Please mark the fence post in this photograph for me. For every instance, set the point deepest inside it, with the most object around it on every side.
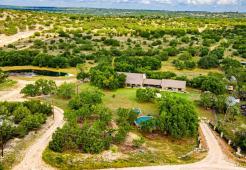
(238, 150)
(200, 146)
(222, 134)
(229, 142)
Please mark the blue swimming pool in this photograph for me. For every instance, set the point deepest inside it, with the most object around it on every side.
(141, 119)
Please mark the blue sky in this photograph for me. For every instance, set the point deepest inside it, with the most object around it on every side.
(184, 5)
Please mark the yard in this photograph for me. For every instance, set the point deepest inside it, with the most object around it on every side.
(157, 150)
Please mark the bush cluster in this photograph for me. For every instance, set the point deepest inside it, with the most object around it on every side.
(20, 118)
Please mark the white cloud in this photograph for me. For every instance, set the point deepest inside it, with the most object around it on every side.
(145, 2)
(227, 2)
(211, 2)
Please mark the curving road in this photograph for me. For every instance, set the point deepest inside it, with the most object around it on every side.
(215, 159)
(33, 155)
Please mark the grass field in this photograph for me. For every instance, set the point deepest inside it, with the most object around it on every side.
(7, 85)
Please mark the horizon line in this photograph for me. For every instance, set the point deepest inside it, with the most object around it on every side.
(131, 9)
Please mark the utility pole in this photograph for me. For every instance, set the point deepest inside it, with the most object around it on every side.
(2, 139)
(1, 124)
(77, 86)
(53, 108)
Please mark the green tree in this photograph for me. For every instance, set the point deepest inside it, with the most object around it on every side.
(66, 90)
(7, 131)
(90, 97)
(145, 95)
(207, 99)
(214, 85)
(107, 78)
(46, 86)
(233, 111)
(220, 103)
(82, 75)
(30, 90)
(207, 62)
(179, 116)
(20, 113)
(241, 139)
(229, 63)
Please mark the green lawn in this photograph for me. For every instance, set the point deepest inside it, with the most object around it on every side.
(125, 98)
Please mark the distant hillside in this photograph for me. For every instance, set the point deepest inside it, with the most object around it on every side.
(124, 12)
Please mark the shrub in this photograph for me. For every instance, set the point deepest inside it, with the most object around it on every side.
(86, 98)
(20, 113)
(241, 139)
(41, 86)
(30, 90)
(207, 62)
(146, 95)
(138, 142)
(66, 90)
(213, 85)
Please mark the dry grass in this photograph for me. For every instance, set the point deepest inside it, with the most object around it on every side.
(168, 66)
(71, 70)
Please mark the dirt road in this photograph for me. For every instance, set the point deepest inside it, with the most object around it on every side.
(33, 155)
(6, 40)
(215, 160)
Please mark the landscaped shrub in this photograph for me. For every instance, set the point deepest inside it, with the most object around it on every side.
(146, 95)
